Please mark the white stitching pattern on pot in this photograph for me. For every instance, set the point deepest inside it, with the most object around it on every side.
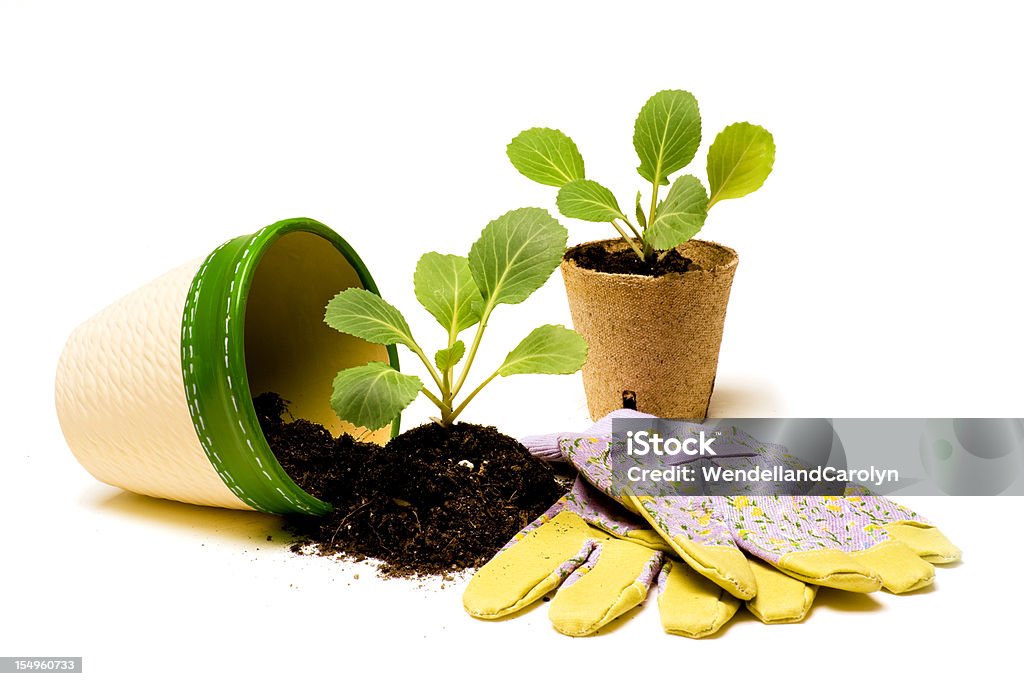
(194, 406)
(188, 355)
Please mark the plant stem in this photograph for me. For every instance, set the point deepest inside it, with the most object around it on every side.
(426, 363)
(633, 229)
(648, 252)
(441, 405)
(648, 248)
(629, 241)
(458, 410)
(654, 202)
(481, 325)
(450, 372)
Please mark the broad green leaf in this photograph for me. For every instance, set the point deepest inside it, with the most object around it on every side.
(546, 156)
(640, 216)
(666, 135)
(445, 287)
(515, 255)
(548, 349)
(739, 161)
(588, 200)
(366, 315)
(372, 395)
(449, 357)
(680, 215)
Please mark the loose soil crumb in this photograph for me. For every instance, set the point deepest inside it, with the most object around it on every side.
(432, 501)
(598, 257)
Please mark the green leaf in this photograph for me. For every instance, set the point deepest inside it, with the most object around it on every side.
(515, 255)
(445, 287)
(546, 156)
(547, 349)
(588, 200)
(373, 395)
(640, 216)
(680, 215)
(666, 135)
(739, 161)
(366, 315)
(449, 357)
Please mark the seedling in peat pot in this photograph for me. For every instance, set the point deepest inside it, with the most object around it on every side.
(514, 256)
(666, 137)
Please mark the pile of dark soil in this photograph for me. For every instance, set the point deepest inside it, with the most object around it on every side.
(598, 257)
(432, 501)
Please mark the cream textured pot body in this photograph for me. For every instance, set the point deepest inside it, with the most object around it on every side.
(658, 337)
(154, 393)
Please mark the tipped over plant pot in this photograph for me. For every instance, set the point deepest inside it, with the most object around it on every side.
(652, 303)
(155, 393)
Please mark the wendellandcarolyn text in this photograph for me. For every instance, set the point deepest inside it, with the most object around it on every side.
(710, 473)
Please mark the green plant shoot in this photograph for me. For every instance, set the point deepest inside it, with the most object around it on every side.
(666, 137)
(514, 256)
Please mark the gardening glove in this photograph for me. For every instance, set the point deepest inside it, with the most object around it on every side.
(782, 599)
(602, 560)
(854, 544)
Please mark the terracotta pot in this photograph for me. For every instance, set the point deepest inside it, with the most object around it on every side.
(656, 337)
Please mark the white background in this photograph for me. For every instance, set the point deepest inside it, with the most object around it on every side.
(879, 276)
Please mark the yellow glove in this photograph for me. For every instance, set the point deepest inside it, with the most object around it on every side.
(602, 561)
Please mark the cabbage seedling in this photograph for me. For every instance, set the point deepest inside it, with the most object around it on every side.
(514, 256)
(666, 136)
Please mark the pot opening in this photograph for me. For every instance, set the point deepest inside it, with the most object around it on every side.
(613, 256)
(288, 348)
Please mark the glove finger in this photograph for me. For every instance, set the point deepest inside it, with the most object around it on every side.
(925, 540)
(690, 604)
(646, 537)
(825, 567)
(613, 580)
(530, 568)
(780, 598)
(898, 567)
(721, 561)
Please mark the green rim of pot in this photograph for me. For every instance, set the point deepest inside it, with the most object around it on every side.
(215, 375)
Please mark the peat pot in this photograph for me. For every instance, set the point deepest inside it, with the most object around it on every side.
(655, 337)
